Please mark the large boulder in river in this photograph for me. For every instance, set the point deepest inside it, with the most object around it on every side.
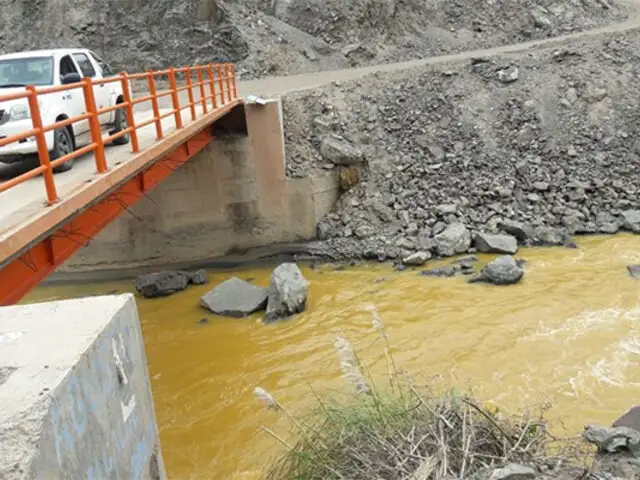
(502, 271)
(162, 284)
(634, 271)
(288, 292)
(631, 220)
(487, 243)
(453, 240)
(235, 298)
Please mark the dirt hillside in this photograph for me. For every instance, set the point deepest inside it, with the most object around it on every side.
(279, 37)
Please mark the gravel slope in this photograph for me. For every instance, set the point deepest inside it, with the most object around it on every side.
(547, 138)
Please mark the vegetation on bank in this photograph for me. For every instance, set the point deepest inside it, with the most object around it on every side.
(403, 432)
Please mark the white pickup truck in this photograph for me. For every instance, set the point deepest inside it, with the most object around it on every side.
(55, 67)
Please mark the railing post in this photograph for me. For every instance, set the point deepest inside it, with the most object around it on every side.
(221, 84)
(227, 75)
(203, 97)
(41, 141)
(94, 125)
(212, 85)
(192, 104)
(233, 81)
(174, 97)
(154, 104)
(126, 92)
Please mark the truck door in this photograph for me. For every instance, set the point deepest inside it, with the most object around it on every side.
(101, 92)
(104, 71)
(74, 99)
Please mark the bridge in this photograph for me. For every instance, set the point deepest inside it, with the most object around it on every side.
(46, 218)
(41, 226)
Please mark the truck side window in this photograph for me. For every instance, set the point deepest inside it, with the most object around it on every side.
(106, 71)
(67, 66)
(85, 64)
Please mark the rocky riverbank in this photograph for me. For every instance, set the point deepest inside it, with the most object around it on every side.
(540, 146)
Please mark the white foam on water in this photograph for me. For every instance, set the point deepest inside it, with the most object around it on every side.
(612, 369)
(632, 346)
(629, 256)
(614, 363)
(586, 322)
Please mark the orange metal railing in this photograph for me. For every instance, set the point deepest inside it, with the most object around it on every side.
(218, 79)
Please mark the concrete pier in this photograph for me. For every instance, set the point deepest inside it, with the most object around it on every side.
(75, 397)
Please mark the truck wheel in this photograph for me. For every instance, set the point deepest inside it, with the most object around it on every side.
(121, 124)
(63, 145)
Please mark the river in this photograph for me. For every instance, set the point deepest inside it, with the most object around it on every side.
(568, 335)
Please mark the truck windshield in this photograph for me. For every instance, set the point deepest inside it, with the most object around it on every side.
(20, 72)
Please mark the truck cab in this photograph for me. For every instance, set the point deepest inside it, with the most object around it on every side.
(46, 68)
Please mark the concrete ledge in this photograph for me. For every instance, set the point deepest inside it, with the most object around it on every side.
(75, 397)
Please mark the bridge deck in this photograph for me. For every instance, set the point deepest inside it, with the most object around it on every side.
(24, 215)
(43, 222)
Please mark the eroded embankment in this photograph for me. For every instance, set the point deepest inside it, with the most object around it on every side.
(547, 138)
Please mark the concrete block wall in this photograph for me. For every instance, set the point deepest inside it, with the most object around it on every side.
(75, 397)
(232, 197)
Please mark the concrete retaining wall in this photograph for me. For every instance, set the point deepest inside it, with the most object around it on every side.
(75, 398)
(232, 197)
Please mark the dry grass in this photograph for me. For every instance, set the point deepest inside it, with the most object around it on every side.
(403, 433)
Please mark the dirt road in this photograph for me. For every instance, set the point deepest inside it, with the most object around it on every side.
(276, 86)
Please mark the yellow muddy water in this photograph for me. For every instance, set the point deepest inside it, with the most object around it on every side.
(568, 335)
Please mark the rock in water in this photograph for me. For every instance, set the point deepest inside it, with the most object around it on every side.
(417, 259)
(502, 271)
(288, 292)
(486, 243)
(634, 271)
(513, 471)
(162, 284)
(632, 220)
(550, 236)
(235, 298)
(446, 271)
(612, 440)
(631, 419)
(454, 240)
(199, 278)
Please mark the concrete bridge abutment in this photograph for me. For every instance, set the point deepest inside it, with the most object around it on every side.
(232, 197)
